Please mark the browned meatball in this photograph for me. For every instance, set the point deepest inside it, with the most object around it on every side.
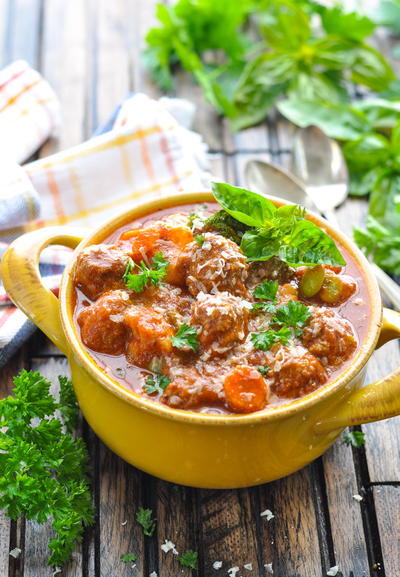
(295, 372)
(100, 268)
(216, 265)
(102, 323)
(271, 269)
(329, 337)
(189, 390)
(222, 321)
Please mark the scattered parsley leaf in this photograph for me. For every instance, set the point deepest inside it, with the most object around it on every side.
(263, 370)
(263, 341)
(267, 307)
(355, 438)
(293, 315)
(43, 468)
(68, 404)
(189, 559)
(156, 384)
(200, 238)
(186, 338)
(153, 274)
(128, 558)
(144, 518)
(267, 291)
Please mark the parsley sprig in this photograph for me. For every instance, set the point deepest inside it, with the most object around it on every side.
(264, 340)
(292, 315)
(186, 338)
(156, 384)
(266, 291)
(128, 558)
(354, 438)
(189, 559)
(145, 275)
(43, 468)
(144, 518)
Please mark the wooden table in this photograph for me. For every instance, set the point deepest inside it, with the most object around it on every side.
(89, 51)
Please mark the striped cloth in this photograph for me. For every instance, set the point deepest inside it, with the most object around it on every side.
(141, 151)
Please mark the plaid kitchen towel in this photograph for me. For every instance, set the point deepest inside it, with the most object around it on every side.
(142, 150)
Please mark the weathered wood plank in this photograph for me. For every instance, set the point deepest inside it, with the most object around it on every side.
(228, 522)
(292, 535)
(120, 497)
(349, 546)
(387, 504)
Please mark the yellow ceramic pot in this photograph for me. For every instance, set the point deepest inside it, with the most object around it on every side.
(208, 451)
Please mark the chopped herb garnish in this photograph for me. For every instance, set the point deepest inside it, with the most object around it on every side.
(200, 238)
(267, 291)
(189, 559)
(355, 438)
(263, 341)
(293, 315)
(267, 307)
(144, 518)
(153, 274)
(263, 370)
(186, 338)
(128, 558)
(156, 384)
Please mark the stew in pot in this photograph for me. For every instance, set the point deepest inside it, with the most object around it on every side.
(221, 308)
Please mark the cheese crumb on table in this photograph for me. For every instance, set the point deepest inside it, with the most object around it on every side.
(268, 568)
(153, 574)
(169, 546)
(357, 498)
(232, 571)
(217, 565)
(248, 566)
(124, 523)
(268, 514)
(15, 552)
(333, 571)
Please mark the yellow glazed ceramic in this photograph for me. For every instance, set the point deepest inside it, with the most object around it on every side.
(184, 447)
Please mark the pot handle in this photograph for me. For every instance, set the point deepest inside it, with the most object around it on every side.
(23, 283)
(377, 401)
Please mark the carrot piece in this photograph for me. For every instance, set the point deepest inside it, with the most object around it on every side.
(178, 235)
(142, 242)
(245, 390)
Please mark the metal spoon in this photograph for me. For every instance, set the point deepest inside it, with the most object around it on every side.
(266, 178)
(318, 161)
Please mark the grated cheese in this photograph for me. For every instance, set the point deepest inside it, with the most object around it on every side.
(153, 574)
(217, 565)
(56, 571)
(15, 552)
(232, 571)
(168, 546)
(124, 523)
(357, 498)
(248, 566)
(268, 514)
(268, 568)
(333, 571)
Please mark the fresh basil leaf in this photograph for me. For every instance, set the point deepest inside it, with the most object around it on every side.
(384, 203)
(284, 25)
(387, 13)
(361, 183)
(337, 121)
(380, 112)
(371, 69)
(245, 206)
(317, 87)
(350, 25)
(380, 242)
(368, 151)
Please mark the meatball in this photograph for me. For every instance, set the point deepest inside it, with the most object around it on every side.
(216, 265)
(102, 323)
(190, 389)
(222, 320)
(100, 268)
(271, 269)
(150, 335)
(295, 372)
(329, 337)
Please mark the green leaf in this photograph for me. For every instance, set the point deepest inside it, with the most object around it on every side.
(266, 290)
(68, 404)
(263, 370)
(380, 242)
(293, 315)
(156, 384)
(145, 519)
(355, 438)
(379, 112)
(387, 13)
(361, 183)
(368, 151)
(189, 559)
(283, 24)
(245, 206)
(371, 69)
(186, 338)
(350, 25)
(337, 121)
(384, 203)
(128, 558)
(263, 341)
